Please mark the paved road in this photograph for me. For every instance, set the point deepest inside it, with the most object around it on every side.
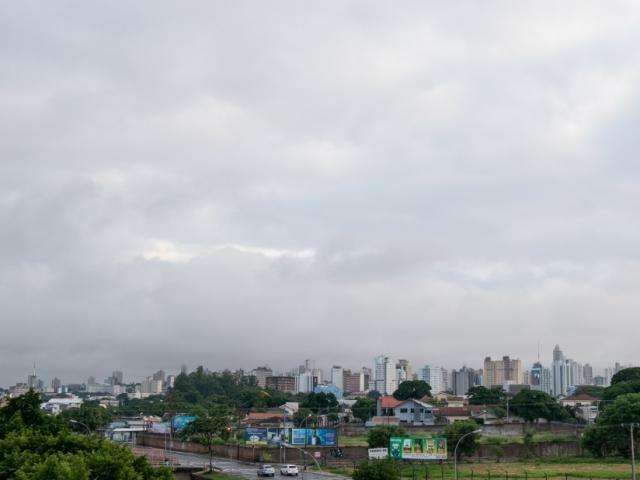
(247, 470)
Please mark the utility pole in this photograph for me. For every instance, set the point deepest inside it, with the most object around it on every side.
(633, 455)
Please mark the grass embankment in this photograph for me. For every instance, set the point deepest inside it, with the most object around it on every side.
(222, 476)
(361, 440)
(561, 468)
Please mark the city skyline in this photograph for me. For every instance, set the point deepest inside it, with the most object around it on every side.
(310, 364)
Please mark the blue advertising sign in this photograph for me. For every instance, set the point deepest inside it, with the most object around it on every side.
(309, 436)
(179, 422)
(325, 436)
(299, 436)
(256, 436)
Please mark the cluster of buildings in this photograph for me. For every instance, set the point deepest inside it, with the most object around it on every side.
(64, 395)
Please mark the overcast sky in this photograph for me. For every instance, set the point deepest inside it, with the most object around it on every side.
(235, 183)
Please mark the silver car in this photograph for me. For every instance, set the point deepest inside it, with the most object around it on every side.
(266, 471)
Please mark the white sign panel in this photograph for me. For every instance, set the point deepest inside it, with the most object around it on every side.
(378, 453)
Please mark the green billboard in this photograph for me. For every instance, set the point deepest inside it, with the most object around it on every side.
(412, 448)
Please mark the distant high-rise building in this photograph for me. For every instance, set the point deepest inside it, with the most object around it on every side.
(353, 381)
(462, 380)
(337, 376)
(183, 369)
(587, 373)
(574, 373)
(56, 384)
(385, 375)
(499, 372)
(559, 373)
(159, 376)
(117, 378)
(261, 374)
(305, 382)
(32, 379)
(91, 381)
(433, 375)
(368, 380)
(282, 383)
(540, 378)
(404, 370)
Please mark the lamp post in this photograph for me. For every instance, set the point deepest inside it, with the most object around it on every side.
(633, 455)
(76, 422)
(455, 451)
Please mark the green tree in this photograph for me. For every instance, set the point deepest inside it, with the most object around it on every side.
(495, 447)
(626, 375)
(486, 396)
(456, 432)
(25, 412)
(591, 390)
(320, 403)
(379, 436)
(621, 388)
(412, 389)
(90, 414)
(611, 433)
(364, 408)
(532, 405)
(377, 470)
(207, 428)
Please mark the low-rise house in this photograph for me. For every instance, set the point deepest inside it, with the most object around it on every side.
(411, 411)
(584, 405)
(56, 405)
(452, 414)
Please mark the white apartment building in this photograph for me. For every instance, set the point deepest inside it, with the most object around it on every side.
(384, 375)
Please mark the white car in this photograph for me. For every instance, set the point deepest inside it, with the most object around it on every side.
(266, 471)
(289, 470)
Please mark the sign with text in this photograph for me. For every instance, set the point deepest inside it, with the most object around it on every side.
(378, 453)
(409, 448)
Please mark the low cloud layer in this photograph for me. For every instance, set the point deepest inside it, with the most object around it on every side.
(239, 183)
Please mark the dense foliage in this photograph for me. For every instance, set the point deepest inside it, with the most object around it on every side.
(626, 375)
(90, 414)
(591, 390)
(412, 389)
(377, 470)
(35, 446)
(486, 396)
(456, 432)
(231, 389)
(364, 408)
(378, 437)
(532, 405)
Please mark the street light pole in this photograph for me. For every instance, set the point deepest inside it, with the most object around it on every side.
(633, 456)
(455, 451)
(76, 422)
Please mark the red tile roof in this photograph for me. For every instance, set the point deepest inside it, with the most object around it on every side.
(388, 401)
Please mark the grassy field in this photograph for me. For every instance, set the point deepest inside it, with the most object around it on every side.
(566, 468)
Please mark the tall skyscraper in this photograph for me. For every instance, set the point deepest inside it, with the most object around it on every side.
(353, 381)
(465, 378)
(559, 373)
(337, 376)
(540, 378)
(587, 373)
(117, 378)
(56, 384)
(499, 372)
(384, 375)
(405, 366)
(433, 375)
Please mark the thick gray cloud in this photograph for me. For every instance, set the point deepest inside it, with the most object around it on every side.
(234, 183)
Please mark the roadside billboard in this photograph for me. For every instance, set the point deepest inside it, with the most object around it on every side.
(179, 422)
(410, 448)
(324, 437)
(256, 436)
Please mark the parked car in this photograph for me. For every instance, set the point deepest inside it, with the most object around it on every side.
(289, 470)
(266, 471)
